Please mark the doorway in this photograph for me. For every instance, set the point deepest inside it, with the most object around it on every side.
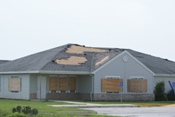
(41, 88)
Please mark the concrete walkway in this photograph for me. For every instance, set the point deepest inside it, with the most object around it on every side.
(89, 105)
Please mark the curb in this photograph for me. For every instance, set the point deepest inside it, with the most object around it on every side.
(93, 106)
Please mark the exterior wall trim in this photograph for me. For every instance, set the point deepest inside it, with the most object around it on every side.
(48, 72)
(164, 75)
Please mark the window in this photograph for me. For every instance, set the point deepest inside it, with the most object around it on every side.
(14, 84)
(72, 84)
(137, 85)
(53, 81)
(62, 84)
(110, 85)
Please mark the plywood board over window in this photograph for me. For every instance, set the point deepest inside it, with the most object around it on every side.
(111, 85)
(63, 84)
(53, 81)
(72, 83)
(14, 84)
(143, 84)
(137, 85)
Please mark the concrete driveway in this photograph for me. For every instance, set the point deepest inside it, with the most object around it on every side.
(137, 111)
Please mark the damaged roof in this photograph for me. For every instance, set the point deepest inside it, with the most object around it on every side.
(73, 57)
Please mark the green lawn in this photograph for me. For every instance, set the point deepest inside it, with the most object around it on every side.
(45, 110)
(48, 111)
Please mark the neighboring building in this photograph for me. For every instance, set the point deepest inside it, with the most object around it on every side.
(74, 72)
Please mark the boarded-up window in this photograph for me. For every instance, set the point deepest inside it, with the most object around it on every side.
(72, 83)
(53, 81)
(111, 85)
(137, 85)
(62, 84)
(14, 84)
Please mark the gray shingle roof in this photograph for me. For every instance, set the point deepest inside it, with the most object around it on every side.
(155, 64)
(94, 58)
(3, 61)
(32, 62)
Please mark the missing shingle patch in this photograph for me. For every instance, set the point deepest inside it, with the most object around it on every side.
(73, 60)
(102, 60)
(81, 49)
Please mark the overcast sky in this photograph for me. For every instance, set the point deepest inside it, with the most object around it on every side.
(30, 26)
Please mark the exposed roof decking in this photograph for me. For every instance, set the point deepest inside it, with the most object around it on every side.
(102, 61)
(72, 60)
(81, 49)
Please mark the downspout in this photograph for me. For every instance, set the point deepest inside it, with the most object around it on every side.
(92, 77)
(40, 87)
(92, 87)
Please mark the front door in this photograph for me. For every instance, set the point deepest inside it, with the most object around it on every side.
(41, 87)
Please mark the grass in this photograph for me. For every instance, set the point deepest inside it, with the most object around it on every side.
(45, 110)
(48, 111)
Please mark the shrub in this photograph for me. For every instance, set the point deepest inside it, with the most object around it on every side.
(14, 110)
(171, 96)
(18, 108)
(25, 110)
(34, 111)
(159, 91)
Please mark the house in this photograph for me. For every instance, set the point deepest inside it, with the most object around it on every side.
(75, 72)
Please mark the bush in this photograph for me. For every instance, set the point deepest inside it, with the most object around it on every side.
(25, 110)
(34, 111)
(18, 108)
(171, 96)
(159, 91)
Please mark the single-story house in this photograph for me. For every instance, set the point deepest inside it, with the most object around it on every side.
(75, 72)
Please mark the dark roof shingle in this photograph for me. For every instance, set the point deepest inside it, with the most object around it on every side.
(46, 60)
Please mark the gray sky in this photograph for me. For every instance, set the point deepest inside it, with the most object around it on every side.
(30, 26)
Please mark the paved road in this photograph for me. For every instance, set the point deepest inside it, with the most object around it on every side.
(137, 111)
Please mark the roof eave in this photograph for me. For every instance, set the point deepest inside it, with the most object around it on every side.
(20, 72)
(164, 75)
(48, 72)
(66, 72)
